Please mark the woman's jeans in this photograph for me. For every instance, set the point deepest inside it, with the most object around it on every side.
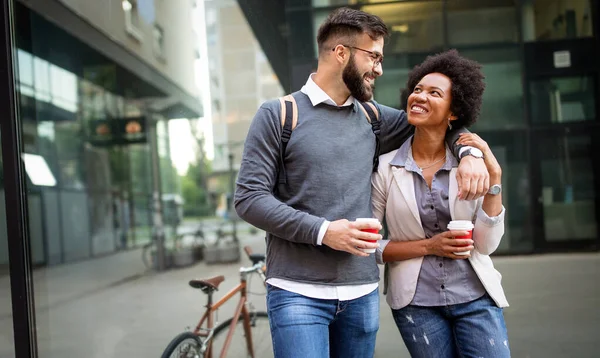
(305, 327)
(472, 329)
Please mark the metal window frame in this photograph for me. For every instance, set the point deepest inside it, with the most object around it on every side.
(21, 280)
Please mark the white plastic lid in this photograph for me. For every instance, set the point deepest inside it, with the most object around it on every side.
(372, 220)
(460, 225)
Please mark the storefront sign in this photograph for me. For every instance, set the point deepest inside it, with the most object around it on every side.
(122, 131)
(562, 59)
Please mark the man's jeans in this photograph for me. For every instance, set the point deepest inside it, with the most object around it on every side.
(472, 329)
(307, 327)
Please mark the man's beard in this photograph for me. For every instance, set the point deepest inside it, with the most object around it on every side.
(355, 82)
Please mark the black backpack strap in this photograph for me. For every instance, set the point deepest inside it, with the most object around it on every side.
(372, 114)
(289, 119)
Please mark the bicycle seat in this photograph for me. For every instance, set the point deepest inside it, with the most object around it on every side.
(209, 284)
(256, 258)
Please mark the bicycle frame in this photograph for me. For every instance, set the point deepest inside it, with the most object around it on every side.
(241, 310)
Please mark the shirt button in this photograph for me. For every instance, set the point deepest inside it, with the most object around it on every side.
(441, 266)
(432, 207)
(443, 287)
(436, 225)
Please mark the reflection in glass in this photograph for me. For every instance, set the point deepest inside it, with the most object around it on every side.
(502, 106)
(482, 22)
(6, 325)
(556, 19)
(562, 100)
(37, 170)
(508, 148)
(568, 192)
(414, 26)
(324, 3)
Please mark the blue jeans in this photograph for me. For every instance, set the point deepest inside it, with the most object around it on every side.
(305, 327)
(472, 329)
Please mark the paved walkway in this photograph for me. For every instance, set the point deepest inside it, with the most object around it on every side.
(113, 307)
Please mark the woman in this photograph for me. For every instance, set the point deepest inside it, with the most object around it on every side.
(444, 304)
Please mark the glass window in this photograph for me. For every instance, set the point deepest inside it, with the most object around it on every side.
(7, 348)
(325, 3)
(510, 148)
(25, 74)
(415, 26)
(158, 39)
(503, 106)
(389, 86)
(69, 149)
(563, 100)
(568, 191)
(556, 19)
(481, 22)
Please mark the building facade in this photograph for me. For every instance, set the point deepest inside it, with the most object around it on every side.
(540, 107)
(85, 64)
(241, 79)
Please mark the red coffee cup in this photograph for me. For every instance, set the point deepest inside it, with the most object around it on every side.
(374, 231)
(462, 225)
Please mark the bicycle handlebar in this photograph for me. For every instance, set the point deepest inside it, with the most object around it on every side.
(259, 267)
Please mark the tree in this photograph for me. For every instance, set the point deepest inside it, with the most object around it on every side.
(197, 201)
(194, 184)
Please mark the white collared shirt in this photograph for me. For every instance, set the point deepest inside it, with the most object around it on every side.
(327, 292)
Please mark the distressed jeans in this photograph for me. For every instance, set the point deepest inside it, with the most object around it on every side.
(472, 329)
(304, 327)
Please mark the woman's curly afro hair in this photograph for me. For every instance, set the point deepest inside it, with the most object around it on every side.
(467, 83)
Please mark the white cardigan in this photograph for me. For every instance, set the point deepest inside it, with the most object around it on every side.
(393, 193)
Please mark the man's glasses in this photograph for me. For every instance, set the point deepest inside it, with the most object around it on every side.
(375, 56)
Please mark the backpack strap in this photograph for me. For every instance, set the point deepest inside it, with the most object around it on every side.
(372, 114)
(289, 119)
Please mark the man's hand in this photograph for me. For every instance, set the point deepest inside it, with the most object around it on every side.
(445, 245)
(473, 178)
(344, 235)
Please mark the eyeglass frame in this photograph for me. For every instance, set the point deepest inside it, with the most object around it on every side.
(375, 56)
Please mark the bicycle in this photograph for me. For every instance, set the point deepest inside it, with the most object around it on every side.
(203, 342)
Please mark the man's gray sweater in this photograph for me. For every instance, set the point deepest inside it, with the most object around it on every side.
(328, 161)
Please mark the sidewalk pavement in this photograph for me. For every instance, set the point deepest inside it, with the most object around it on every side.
(554, 307)
(112, 306)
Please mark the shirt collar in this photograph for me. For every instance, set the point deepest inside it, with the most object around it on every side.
(404, 158)
(318, 96)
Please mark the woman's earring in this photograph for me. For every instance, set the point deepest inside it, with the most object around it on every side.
(449, 125)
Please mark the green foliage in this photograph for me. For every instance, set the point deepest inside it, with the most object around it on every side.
(195, 194)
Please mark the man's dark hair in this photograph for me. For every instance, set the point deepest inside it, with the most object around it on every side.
(467, 83)
(344, 24)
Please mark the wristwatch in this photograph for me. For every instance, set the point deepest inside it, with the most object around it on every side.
(472, 151)
(495, 189)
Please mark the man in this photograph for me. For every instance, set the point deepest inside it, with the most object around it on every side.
(322, 296)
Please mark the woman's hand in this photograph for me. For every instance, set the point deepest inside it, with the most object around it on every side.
(445, 245)
(473, 140)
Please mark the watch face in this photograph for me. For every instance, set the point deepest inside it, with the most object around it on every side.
(495, 189)
(476, 153)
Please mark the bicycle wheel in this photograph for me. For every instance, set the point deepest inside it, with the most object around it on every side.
(185, 345)
(261, 337)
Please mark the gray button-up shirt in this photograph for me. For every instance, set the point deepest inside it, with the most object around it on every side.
(442, 281)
